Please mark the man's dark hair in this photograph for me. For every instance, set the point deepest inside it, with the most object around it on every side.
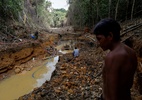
(105, 26)
(36, 33)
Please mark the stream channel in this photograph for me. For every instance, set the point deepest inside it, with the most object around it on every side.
(20, 84)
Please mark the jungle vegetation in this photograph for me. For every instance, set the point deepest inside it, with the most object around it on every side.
(81, 13)
(87, 12)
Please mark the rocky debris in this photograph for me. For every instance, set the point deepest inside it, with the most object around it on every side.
(77, 78)
(74, 78)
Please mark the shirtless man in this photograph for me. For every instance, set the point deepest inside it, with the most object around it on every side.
(120, 62)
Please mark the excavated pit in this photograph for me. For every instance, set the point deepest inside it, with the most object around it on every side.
(78, 78)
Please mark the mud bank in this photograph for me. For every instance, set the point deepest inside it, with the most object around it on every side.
(78, 78)
(13, 58)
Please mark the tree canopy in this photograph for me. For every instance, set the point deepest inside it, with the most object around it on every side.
(80, 13)
(87, 12)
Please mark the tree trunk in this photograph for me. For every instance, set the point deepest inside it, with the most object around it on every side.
(109, 9)
(116, 9)
(127, 9)
(3, 12)
(132, 11)
(92, 13)
(97, 9)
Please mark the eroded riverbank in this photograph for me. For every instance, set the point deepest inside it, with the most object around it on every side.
(75, 78)
(20, 84)
(24, 82)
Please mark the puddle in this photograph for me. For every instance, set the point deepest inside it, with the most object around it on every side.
(51, 67)
(17, 85)
(66, 51)
(64, 43)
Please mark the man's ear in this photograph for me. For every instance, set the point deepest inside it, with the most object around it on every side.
(110, 36)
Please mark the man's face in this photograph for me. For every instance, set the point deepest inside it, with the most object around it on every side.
(103, 42)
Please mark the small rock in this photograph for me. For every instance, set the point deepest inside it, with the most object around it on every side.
(17, 70)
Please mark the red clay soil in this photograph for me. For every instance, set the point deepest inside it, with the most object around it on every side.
(22, 52)
(74, 78)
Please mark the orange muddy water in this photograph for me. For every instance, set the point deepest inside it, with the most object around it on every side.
(17, 85)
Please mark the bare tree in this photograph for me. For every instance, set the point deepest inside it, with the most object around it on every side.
(109, 8)
(116, 9)
(97, 9)
(127, 1)
(132, 11)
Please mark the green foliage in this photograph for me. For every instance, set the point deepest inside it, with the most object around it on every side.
(42, 10)
(80, 12)
(59, 16)
(10, 8)
(88, 12)
(61, 10)
(103, 6)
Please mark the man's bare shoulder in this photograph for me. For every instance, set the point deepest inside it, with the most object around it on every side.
(114, 55)
(117, 57)
(121, 55)
(121, 51)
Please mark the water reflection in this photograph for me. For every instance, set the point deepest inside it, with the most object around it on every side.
(63, 44)
(66, 51)
(51, 67)
(21, 84)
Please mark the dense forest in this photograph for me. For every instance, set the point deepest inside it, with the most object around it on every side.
(32, 13)
(88, 12)
(81, 13)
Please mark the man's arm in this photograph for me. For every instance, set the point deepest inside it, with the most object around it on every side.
(111, 76)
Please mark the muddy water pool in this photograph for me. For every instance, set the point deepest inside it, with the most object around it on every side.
(17, 85)
(70, 43)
